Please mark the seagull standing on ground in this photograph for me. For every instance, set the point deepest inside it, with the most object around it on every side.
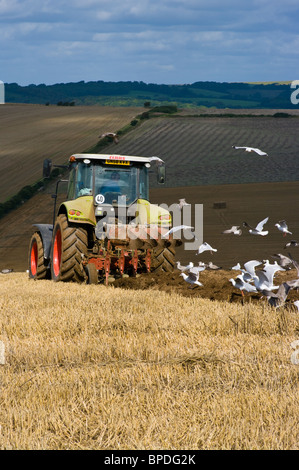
(213, 266)
(282, 227)
(251, 149)
(258, 230)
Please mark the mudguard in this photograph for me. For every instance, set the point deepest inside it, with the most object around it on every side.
(46, 232)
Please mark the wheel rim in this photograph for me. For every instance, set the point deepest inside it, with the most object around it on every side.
(57, 253)
(33, 258)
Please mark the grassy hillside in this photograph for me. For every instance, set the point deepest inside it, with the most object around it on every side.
(90, 367)
(207, 94)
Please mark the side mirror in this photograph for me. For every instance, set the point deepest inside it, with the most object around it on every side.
(161, 174)
(47, 167)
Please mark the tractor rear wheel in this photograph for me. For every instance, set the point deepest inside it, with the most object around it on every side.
(163, 257)
(38, 269)
(68, 248)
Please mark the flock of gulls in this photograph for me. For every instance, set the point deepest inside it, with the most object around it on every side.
(250, 279)
(257, 276)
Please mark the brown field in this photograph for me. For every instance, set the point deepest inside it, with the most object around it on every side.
(149, 363)
(31, 133)
(198, 151)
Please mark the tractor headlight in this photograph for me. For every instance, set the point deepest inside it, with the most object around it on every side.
(165, 217)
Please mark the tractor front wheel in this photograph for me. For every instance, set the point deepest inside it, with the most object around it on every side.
(69, 247)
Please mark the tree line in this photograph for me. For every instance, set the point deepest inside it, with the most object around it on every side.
(203, 93)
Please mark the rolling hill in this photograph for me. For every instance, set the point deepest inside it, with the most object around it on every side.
(203, 94)
(30, 133)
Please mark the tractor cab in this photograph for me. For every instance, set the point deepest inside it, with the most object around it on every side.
(110, 179)
(113, 189)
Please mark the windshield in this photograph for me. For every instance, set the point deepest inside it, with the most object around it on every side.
(109, 183)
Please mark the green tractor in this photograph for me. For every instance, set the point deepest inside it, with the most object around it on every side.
(106, 227)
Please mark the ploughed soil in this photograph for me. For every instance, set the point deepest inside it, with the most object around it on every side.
(216, 285)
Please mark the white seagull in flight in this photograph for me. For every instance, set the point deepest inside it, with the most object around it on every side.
(258, 230)
(241, 284)
(113, 135)
(177, 228)
(158, 160)
(251, 149)
(205, 247)
(291, 243)
(184, 268)
(182, 203)
(282, 227)
(235, 230)
(192, 277)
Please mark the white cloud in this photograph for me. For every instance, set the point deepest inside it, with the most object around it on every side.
(8, 6)
(196, 39)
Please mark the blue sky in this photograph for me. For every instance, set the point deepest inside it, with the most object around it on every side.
(155, 41)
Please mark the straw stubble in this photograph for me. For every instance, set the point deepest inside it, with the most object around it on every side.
(95, 367)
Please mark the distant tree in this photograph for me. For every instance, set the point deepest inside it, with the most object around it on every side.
(66, 103)
(145, 115)
(281, 115)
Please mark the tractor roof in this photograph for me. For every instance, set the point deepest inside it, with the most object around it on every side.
(97, 156)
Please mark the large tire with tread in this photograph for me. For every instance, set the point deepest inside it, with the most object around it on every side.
(69, 246)
(37, 267)
(163, 257)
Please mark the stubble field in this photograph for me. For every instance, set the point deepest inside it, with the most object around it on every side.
(95, 367)
(163, 366)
